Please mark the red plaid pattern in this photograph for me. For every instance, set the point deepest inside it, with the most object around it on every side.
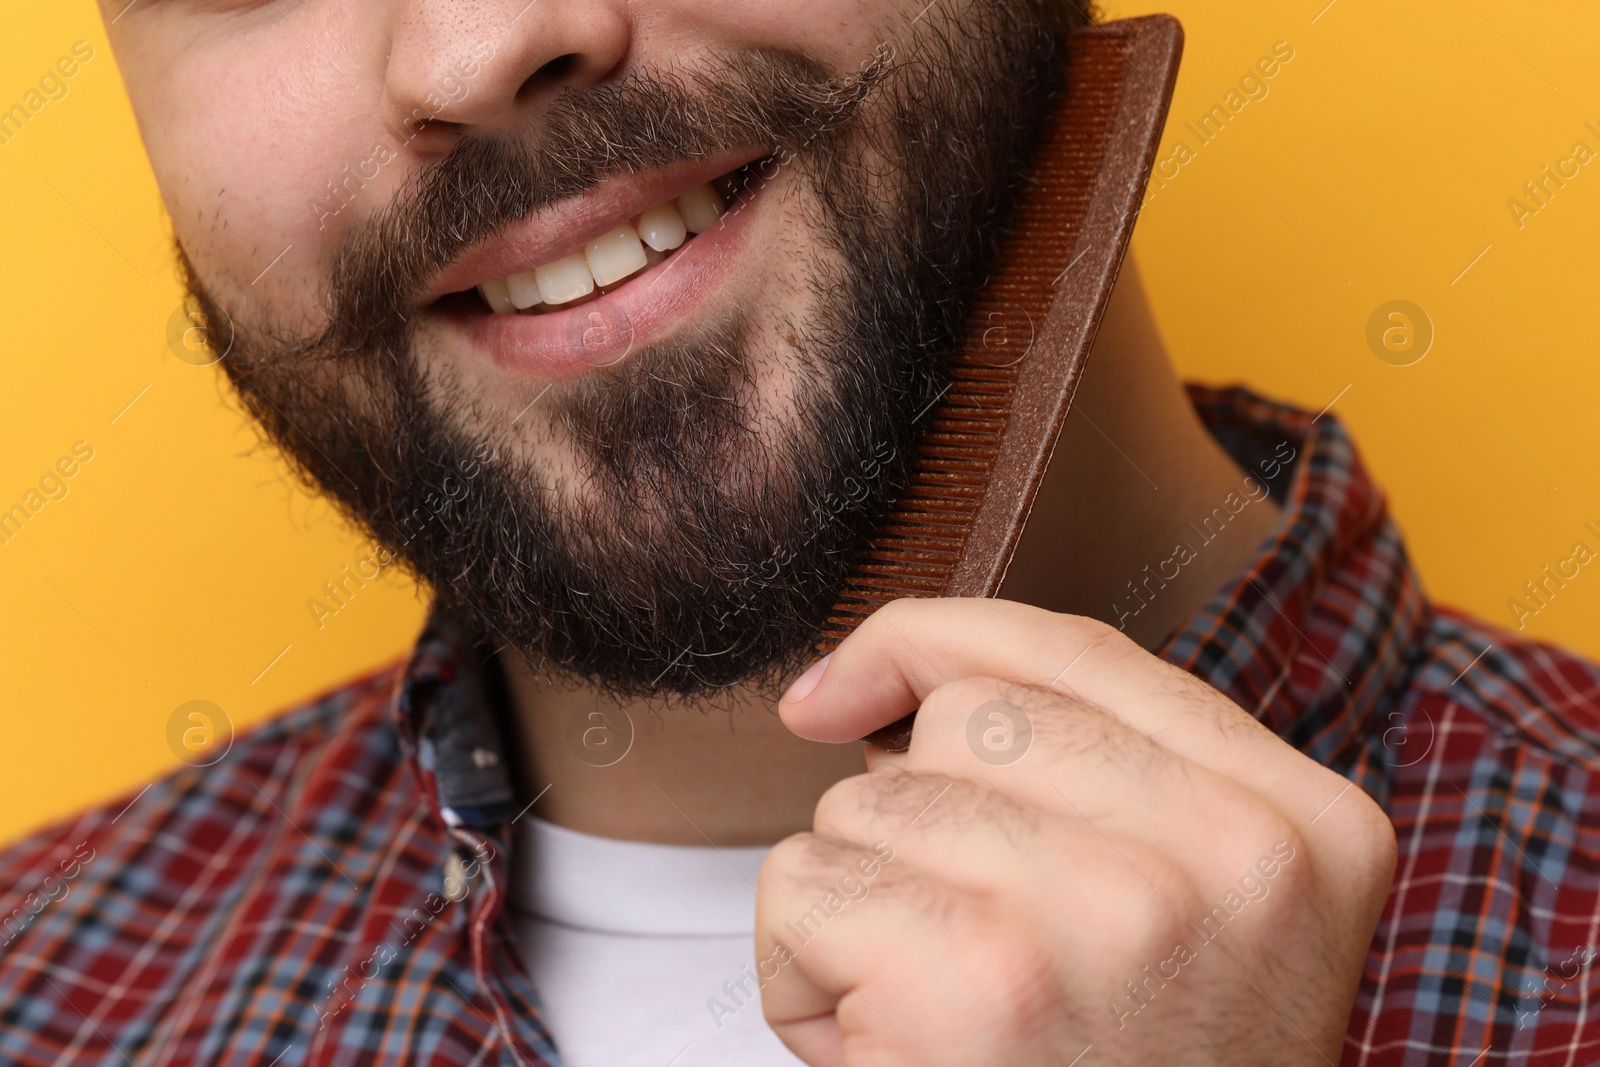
(332, 892)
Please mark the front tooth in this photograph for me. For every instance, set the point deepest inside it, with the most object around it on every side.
(524, 289)
(615, 256)
(564, 280)
(495, 294)
(700, 207)
(662, 227)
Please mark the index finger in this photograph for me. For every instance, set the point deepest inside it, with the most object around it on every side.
(905, 650)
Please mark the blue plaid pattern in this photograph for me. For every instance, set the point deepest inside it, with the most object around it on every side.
(333, 891)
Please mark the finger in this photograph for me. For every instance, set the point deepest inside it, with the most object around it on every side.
(1088, 794)
(818, 940)
(878, 964)
(959, 830)
(983, 841)
(910, 647)
(1055, 752)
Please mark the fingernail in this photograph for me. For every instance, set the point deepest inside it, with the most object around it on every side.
(804, 684)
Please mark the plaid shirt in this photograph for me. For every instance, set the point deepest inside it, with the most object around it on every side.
(333, 891)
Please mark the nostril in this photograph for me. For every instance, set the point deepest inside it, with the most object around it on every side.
(551, 71)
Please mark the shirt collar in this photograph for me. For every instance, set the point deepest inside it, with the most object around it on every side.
(448, 726)
(1314, 636)
(1311, 638)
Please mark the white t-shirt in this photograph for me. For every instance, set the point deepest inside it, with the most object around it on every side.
(643, 954)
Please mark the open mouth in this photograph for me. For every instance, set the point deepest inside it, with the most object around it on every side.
(610, 261)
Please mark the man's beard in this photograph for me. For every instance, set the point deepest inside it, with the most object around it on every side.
(706, 551)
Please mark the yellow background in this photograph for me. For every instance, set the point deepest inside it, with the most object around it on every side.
(1378, 167)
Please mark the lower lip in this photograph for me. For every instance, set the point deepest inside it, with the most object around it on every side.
(611, 329)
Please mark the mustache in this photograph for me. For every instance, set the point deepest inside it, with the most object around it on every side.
(643, 121)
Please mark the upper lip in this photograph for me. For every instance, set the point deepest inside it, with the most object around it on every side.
(566, 226)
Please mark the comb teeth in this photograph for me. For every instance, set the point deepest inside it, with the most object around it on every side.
(987, 442)
(919, 542)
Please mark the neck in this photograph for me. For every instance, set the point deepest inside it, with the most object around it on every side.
(1134, 466)
(1134, 470)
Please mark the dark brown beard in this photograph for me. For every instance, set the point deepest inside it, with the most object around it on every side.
(705, 555)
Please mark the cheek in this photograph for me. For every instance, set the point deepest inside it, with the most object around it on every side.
(244, 134)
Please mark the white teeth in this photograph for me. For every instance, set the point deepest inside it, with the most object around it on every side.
(614, 256)
(564, 280)
(524, 290)
(495, 295)
(662, 228)
(700, 207)
(610, 258)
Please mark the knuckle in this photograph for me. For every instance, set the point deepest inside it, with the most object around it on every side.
(1154, 898)
(1089, 726)
(1013, 979)
(934, 904)
(1365, 840)
(1088, 628)
(893, 801)
(1095, 638)
(891, 625)
(845, 803)
(953, 808)
(1270, 828)
(1377, 835)
(895, 613)
(1067, 726)
(796, 858)
(957, 699)
(1269, 841)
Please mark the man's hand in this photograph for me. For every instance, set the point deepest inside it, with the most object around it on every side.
(1085, 848)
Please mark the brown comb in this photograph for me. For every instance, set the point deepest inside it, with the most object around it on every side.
(989, 440)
